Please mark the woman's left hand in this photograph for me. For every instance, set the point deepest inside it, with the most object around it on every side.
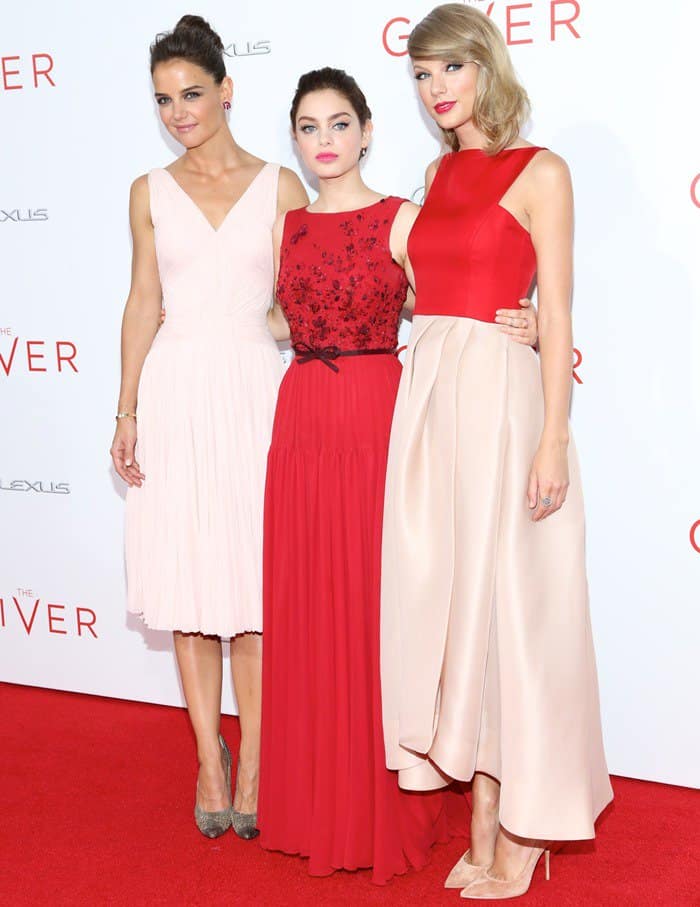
(549, 479)
(520, 324)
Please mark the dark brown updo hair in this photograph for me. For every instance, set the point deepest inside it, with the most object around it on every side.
(195, 40)
(336, 80)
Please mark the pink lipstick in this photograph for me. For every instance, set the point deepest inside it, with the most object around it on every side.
(326, 157)
(444, 106)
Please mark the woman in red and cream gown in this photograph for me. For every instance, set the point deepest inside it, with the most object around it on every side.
(488, 669)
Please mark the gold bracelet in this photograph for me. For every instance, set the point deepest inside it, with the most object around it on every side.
(125, 415)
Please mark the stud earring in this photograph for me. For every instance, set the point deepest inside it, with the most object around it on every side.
(227, 105)
(363, 152)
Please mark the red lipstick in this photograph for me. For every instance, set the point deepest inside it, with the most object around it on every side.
(444, 106)
(326, 157)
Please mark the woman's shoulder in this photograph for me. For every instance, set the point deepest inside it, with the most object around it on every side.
(139, 193)
(544, 160)
(406, 208)
(547, 167)
(291, 193)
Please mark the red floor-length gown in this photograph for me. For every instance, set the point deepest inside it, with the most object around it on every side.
(325, 791)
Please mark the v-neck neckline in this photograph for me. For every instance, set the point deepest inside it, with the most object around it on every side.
(230, 210)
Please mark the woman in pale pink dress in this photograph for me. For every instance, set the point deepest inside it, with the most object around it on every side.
(206, 385)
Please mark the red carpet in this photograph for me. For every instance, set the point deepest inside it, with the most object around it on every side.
(96, 808)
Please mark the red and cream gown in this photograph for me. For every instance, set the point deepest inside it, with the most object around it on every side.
(325, 792)
(487, 653)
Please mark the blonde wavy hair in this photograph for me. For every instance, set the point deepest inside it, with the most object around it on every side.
(461, 34)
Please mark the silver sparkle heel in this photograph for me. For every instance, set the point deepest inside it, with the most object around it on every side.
(244, 824)
(214, 824)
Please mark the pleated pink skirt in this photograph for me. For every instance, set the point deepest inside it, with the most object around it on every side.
(487, 655)
(194, 529)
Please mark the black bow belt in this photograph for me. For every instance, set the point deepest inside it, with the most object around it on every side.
(326, 354)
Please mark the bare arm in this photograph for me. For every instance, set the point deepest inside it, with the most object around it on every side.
(276, 321)
(139, 326)
(290, 195)
(550, 209)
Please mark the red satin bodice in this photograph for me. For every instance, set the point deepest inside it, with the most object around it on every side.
(470, 256)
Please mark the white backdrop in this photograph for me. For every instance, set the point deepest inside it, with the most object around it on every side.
(613, 92)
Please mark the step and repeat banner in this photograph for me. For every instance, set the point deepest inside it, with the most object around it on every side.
(613, 87)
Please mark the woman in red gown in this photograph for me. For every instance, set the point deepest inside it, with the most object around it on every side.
(325, 792)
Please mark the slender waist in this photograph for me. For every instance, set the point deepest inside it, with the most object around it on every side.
(328, 354)
(226, 327)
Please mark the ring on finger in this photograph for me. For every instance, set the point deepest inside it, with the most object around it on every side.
(546, 502)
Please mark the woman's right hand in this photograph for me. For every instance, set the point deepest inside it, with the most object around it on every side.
(122, 452)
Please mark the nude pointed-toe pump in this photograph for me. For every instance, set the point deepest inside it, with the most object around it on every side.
(487, 888)
(464, 872)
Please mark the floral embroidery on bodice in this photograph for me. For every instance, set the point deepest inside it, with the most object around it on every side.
(338, 284)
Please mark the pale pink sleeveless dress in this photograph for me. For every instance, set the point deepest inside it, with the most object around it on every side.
(205, 408)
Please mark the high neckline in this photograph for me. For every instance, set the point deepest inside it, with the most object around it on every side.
(350, 210)
(502, 151)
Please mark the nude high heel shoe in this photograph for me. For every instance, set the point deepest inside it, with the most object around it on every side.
(489, 889)
(464, 872)
(214, 824)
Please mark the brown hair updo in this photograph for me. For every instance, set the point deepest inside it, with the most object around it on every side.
(192, 39)
(335, 80)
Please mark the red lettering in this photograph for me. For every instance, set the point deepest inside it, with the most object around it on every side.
(68, 359)
(578, 359)
(27, 626)
(694, 191)
(53, 619)
(42, 72)
(88, 624)
(8, 365)
(490, 9)
(510, 25)
(31, 355)
(694, 536)
(2, 612)
(9, 72)
(385, 36)
(567, 22)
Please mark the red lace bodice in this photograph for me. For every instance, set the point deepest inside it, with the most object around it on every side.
(338, 284)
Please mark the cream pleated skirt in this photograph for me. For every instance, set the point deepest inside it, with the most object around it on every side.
(487, 655)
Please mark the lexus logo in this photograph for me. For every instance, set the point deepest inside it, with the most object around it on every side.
(249, 49)
(20, 215)
(39, 487)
